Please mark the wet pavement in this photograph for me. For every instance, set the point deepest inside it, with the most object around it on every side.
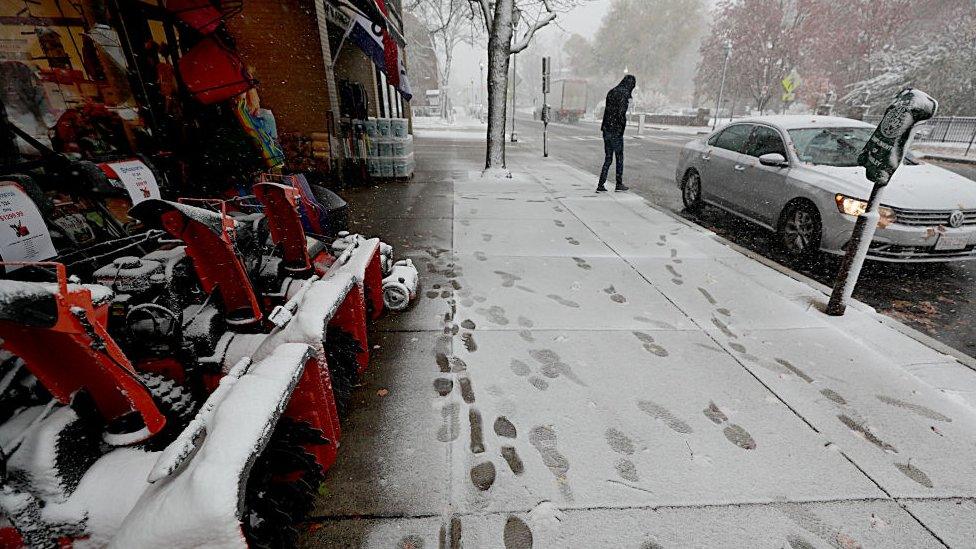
(584, 371)
(937, 299)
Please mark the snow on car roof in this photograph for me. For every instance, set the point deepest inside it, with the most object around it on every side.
(794, 121)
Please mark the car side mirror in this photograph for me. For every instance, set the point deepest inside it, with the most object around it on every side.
(773, 159)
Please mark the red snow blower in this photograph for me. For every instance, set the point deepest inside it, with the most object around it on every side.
(189, 396)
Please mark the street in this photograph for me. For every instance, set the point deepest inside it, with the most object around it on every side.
(939, 300)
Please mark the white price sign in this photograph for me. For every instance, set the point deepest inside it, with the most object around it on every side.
(23, 234)
(137, 178)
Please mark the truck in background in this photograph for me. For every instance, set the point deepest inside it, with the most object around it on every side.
(567, 100)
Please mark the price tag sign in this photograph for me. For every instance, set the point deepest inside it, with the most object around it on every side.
(23, 234)
(137, 179)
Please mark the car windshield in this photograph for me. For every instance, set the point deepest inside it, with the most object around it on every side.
(830, 146)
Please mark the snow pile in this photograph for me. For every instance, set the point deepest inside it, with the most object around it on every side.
(202, 505)
(308, 323)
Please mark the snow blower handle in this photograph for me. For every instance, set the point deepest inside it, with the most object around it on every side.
(179, 451)
(282, 314)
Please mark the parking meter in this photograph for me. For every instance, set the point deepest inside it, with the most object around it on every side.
(884, 152)
(881, 156)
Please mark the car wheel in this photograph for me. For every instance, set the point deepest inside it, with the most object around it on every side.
(800, 229)
(691, 191)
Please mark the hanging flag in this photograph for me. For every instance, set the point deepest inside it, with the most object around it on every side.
(404, 82)
(391, 52)
(380, 46)
(369, 38)
(368, 9)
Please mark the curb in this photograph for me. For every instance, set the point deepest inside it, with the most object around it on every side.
(948, 158)
(898, 326)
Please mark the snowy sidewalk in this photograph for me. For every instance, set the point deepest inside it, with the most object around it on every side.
(949, 152)
(587, 371)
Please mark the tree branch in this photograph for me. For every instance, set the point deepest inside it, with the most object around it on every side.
(541, 22)
(485, 12)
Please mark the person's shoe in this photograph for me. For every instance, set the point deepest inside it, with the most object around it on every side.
(621, 187)
(601, 189)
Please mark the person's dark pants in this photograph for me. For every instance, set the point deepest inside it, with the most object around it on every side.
(613, 145)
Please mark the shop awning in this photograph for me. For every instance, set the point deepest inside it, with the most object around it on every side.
(366, 8)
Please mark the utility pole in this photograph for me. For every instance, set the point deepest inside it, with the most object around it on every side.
(514, 88)
(721, 88)
(516, 16)
(881, 156)
(546, 69)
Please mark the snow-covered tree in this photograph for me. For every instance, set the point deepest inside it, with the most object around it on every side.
(940, 59)
(763, 35)
(498, 17)
(448, 23)
(655, 40)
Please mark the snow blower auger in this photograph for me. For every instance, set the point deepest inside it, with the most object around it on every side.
(62, 484)
(262, 440)
(77, 449)
(223, 252)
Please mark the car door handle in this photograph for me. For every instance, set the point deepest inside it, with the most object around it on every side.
(706, 157)
(739, 167)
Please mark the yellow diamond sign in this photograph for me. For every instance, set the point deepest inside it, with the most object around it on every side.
(791, 82)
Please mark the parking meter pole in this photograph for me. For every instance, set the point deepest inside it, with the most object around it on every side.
(545, 131)
(546, 71)
(514, 88)
(881, 156)
(857, 250)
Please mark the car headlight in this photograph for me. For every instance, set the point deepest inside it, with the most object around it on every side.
(855, 207)
(850, 206)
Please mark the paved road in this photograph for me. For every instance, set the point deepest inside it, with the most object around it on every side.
(939, 300)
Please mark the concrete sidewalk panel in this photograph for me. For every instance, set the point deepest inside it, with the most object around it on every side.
(391, 461)
(516, 206)
(525, 293)
(858, 322)
(673, 422)
(953, 520)
(527, 237)
(905, 435)
(955, 381)
(808, 525)
(709, 291)
(644, 234)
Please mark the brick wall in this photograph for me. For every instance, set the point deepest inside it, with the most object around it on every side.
(279, 41)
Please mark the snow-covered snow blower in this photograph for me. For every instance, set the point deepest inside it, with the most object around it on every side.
(187, 398)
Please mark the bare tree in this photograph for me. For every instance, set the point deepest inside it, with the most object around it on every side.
(447, 23)
(764, 48)
(498, 17)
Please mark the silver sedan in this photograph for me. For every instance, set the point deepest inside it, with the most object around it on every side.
(798, 176)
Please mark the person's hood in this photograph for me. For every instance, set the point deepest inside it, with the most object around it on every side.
(628, 84)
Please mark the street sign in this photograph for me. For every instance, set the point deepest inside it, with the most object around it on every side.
(791, 82)
(546, 73)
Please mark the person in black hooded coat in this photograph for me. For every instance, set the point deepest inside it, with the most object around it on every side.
(614, 122)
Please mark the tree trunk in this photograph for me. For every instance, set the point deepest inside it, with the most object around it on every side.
(499, 48)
